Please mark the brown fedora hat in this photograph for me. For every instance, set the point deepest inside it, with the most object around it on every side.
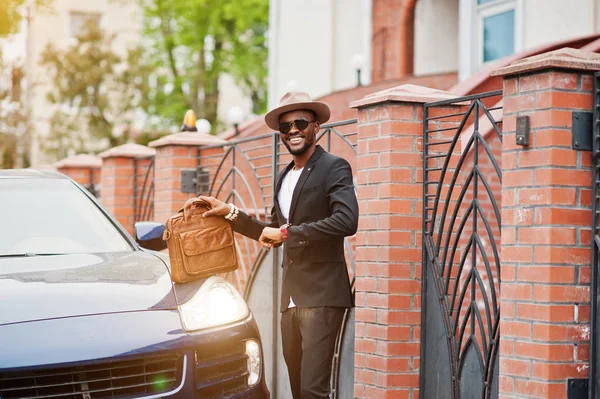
(295, 100)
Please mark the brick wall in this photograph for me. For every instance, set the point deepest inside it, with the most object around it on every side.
(87, 177)
(546, 214)
(119, 180)
(117, 189)
(388, 244)
(170, 160)
(393, 39)
(173, 154)
(388, 252)
(84, 169)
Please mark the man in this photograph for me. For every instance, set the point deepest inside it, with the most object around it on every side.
(315, 207)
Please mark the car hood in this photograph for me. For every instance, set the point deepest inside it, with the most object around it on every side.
(46, 287)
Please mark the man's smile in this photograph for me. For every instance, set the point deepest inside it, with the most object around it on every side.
(296, 139)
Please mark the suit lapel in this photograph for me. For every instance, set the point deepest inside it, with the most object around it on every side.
(308, 168)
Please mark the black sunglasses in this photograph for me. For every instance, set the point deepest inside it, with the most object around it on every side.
(300, 123)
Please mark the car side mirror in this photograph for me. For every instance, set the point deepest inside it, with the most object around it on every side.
(149, 235)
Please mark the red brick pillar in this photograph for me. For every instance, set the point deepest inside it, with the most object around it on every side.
(173, 153)
(388, 245)
(118, 181)
(546, 219)
(84, 169)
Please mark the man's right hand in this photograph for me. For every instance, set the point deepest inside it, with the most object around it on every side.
(218, 208)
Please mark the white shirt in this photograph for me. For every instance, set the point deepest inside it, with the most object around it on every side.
(284, 197)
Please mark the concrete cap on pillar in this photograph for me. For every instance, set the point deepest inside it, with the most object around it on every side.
(188, 139)
(43, 166)
(564, 58)
(129, 150)
(80, 161)
(405, 93)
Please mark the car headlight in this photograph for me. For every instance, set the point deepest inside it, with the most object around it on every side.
(216, 303)
(254, 361)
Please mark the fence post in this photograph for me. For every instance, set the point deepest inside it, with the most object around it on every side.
(84, 169)
(174, 153)
(546, 219)
(388, 245)
(118, 181)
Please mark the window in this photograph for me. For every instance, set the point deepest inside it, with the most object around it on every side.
(488, 30)
(81, 21)
(496, 22)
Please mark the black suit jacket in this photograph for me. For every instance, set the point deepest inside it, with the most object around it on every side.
(324, 210)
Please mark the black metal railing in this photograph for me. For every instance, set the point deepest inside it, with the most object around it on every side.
(143, 189)
(92, 186)
(461, 239)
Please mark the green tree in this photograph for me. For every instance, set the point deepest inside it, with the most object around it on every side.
(96, 93)
(12, 12)
(192, 43)
(12, 112)
(10, 16)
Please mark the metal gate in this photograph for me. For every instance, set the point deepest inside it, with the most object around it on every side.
(461, 247)
(594, 376)
(244, 171)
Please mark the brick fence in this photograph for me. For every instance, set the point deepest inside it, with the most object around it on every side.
(546, 211)
(388, 246)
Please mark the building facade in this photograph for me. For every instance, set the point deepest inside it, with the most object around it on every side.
(400, 38)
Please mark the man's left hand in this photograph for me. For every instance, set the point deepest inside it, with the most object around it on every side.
(271, 237)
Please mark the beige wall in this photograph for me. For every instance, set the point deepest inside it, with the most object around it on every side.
(352, 35)
(436, 36)
(230, 95)
(547, 21)
(312, 42)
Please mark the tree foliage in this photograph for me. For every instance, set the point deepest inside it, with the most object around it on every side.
(12, 112)
(10, 16)
(12, 12)
(192, 43)
(12, 107)
(95, 92)
(185, 48)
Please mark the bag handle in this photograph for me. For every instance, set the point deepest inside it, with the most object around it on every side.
(193, 203)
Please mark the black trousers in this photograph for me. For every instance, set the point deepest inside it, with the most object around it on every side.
(308, 338)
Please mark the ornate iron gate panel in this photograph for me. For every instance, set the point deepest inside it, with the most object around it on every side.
(461, 247)
(243, 172)
(143, 189)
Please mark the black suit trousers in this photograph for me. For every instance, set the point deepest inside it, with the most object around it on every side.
(308, 340)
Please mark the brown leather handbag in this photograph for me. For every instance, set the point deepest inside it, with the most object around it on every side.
(199, 247)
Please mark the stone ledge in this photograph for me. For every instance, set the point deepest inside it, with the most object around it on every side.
(406, 93)
(187, 139)
(80, 161)
(564, 58)
(129, 150)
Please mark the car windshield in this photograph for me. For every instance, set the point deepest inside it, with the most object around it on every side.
(53, 216)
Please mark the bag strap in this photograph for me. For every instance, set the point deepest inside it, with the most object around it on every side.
(193, 203)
